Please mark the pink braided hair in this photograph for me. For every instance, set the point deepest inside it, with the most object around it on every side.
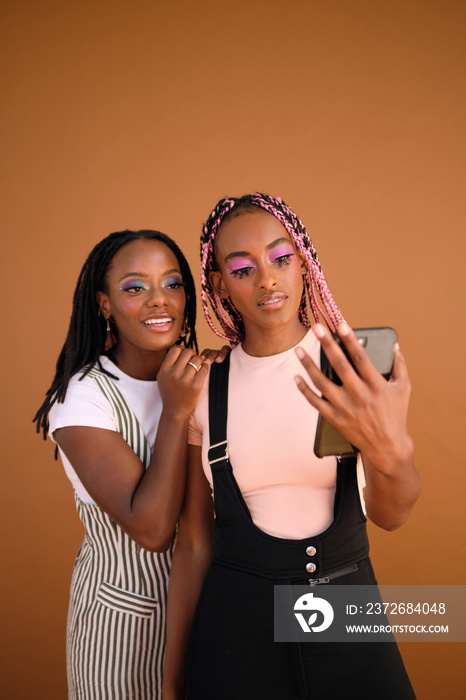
(314, 280)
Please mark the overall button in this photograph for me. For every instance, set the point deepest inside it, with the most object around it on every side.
(310, 568)
(311, 550)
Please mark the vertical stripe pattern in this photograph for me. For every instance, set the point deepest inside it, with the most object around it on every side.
(117, 612)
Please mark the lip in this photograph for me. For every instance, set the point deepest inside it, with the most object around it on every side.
(271, 302)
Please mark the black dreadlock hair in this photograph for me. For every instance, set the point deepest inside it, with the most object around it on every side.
(87, 330)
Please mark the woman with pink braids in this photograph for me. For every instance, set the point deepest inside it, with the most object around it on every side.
(279, 514)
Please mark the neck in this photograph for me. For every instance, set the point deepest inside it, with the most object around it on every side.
(264, 342)
(142, 364)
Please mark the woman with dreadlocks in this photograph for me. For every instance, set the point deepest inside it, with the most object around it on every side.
(282, 515)
(127, 380)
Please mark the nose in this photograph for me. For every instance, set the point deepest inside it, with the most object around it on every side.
(157, 297)
(266, 278)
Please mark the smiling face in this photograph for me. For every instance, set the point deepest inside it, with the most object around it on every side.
(145, 297)
(260, 270)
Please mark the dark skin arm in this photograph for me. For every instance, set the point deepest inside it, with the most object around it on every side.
(146, 504)
(190, 563)
(372, 414)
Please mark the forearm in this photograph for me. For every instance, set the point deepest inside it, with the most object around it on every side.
(190, 562)
(158, 497)
(183, 594)
(392, 484)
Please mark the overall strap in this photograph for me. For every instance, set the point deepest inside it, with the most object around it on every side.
(128, 425)
(218, 411)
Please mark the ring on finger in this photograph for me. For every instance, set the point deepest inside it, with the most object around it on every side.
(195, 366)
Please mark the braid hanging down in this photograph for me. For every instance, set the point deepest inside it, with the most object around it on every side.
(316, 291)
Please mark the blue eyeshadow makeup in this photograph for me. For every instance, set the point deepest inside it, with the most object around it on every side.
(132, 284)
(172, 280)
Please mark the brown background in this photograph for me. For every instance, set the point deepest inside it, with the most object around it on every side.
(142, 114)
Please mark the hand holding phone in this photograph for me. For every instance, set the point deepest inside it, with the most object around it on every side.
(378, 344)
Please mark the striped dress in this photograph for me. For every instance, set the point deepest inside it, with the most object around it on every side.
(117, 612)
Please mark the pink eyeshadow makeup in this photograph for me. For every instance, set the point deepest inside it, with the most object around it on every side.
(238, 264)
(280, 252)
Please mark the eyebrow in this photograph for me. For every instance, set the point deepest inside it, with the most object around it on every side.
(244, 253)
(144, 276)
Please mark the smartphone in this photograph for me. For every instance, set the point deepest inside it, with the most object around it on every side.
(378, 344)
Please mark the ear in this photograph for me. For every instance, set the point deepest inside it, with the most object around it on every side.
(216, 280)
(303, 263)
(104, 304)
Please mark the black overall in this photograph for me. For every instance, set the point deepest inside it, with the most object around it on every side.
(232, 653)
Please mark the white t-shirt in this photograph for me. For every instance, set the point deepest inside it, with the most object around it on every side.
(271, 429)
(86, 405)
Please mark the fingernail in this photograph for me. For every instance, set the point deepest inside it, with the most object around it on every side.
(343, 329)
(396, 346)
(300, 353)
(298, 380)
(319, 330)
